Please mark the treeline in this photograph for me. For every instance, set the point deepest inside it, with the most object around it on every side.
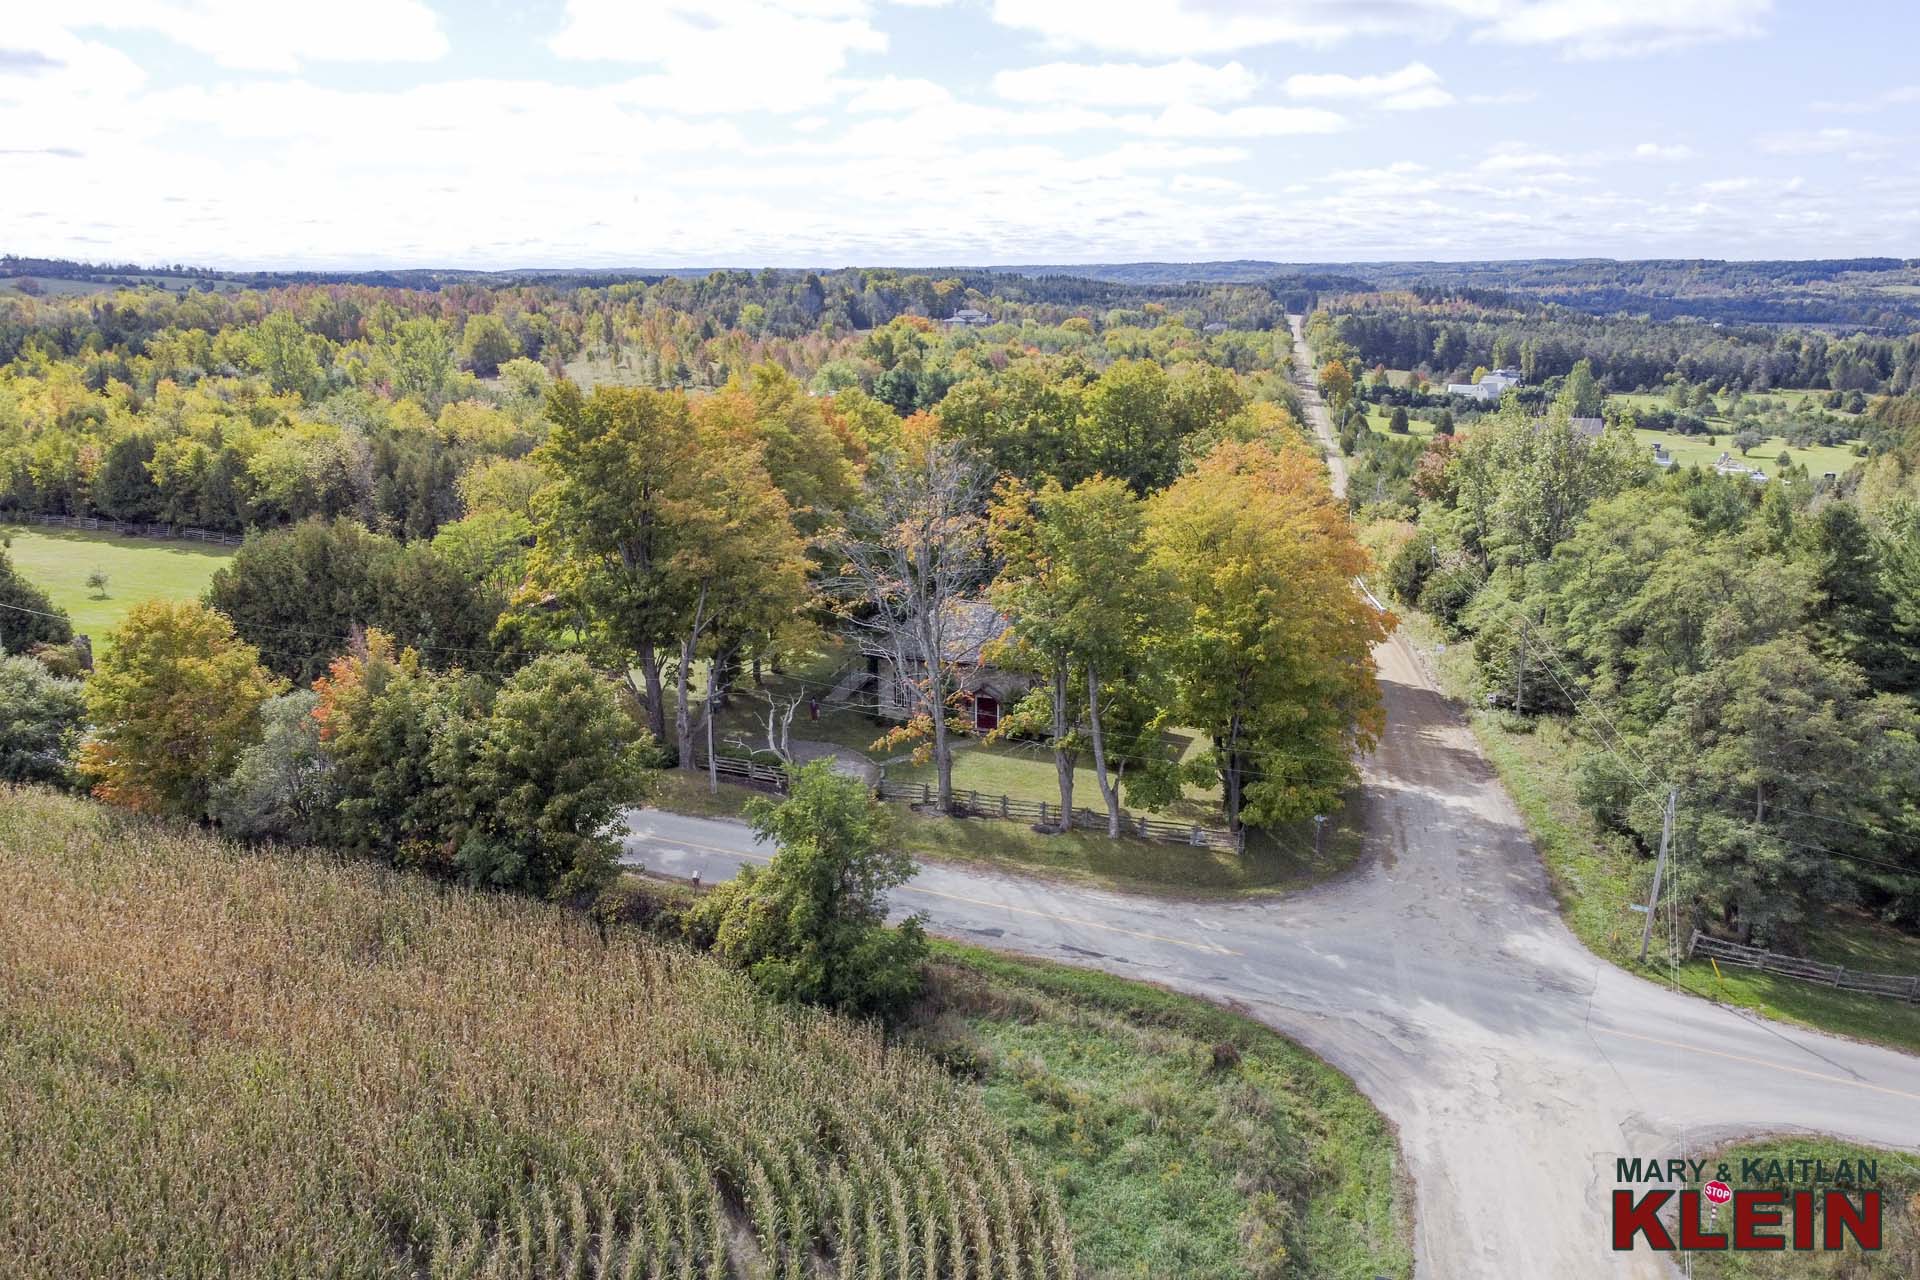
(250, 410)
(1755, 647)
(1447, 337)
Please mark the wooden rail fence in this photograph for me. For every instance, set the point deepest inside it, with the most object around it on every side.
(985, 805)
(771, 777)
(1899, 986)
(122, 528)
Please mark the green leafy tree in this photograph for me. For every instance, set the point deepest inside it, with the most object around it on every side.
(1273, 653)
(28, 615)
(284, 351)
(537, 784)
(173, 704)
(41, 718)
(1397, 421)
(298, 592)
(1581, 394)
(1076, 587)
(381, 714)
(283, 787)
(487, 343)
(812, 925)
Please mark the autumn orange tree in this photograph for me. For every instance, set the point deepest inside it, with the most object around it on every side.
(1336, 384)
(1271, 645)
(173, 704)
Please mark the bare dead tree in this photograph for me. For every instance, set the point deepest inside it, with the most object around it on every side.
(913, 555)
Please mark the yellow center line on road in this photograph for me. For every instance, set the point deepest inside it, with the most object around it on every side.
(1208, 947)
(1760, 1062)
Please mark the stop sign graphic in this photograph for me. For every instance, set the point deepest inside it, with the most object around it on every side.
(1718, 1193)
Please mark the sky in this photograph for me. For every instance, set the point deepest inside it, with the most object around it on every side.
(627, 133)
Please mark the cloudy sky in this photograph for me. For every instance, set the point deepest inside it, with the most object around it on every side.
(825, 132)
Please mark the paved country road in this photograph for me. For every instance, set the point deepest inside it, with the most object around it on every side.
(1440, 977)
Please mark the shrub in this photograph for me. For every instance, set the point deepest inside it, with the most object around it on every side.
(41, 717)
(812, 926)
(283, 787)
(173, 705)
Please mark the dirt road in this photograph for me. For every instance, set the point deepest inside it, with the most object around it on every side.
(1306, 380)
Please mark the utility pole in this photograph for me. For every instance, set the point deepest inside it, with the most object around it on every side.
(1520, 674)
(713, 766)
(1659, 869)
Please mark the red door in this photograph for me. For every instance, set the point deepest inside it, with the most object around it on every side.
(986, 712)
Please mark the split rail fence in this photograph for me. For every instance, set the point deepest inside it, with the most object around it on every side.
(122, 528)
(1898, 986)
(978, 804)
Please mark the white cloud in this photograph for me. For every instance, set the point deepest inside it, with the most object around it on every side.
(1582, 28)
(724, 55)
(1418, 99)
(255, 35)
(1513, 159)
(894, 94)
(1413, 76)
(1819, 142)
(1622, 28)
(1902, 96)
(1127, 84)
(1663, 151)
(1241, 122)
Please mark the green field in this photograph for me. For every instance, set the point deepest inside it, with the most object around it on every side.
(1597, 876)
(1378, 419)
(1694, 451)
(215, 1060)
(59, 560)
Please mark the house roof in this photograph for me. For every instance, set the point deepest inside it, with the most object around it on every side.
(972, 625)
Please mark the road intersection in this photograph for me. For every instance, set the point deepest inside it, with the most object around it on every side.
(1441, 978)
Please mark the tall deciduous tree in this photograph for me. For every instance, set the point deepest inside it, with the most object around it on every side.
(1075, 586)
(173, 704)
(613, 522)
(1271, 641)
(913, 555)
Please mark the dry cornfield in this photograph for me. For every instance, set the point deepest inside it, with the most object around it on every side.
(221, 1062)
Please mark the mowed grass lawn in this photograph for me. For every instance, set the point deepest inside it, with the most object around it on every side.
(59, 560)
(1598, 876)
(1694, 451)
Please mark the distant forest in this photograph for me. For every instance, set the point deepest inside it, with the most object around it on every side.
(1876, 294)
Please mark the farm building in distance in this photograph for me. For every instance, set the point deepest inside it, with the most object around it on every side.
(1490, 387)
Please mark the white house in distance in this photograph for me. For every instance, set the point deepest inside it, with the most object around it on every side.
(968, 318)
(1490, 387)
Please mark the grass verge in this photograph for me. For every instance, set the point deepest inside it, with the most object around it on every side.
(1598, 876)
(1183, 1139)
(1275, 861)
(1899, 1184)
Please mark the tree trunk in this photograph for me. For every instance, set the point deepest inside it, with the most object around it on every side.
(942, 752)
(1108, 791)
(682, 712)
(1230, 774)
(1063, 759)
(655, 700)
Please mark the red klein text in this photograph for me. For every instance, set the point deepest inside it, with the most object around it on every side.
(1821, 1220)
